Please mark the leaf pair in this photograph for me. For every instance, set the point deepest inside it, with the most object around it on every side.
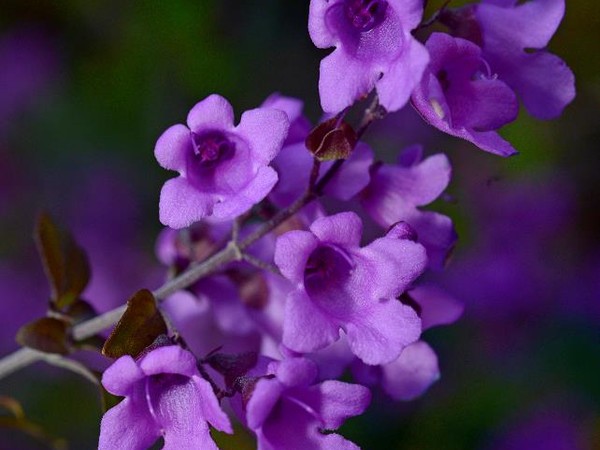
(68, 271)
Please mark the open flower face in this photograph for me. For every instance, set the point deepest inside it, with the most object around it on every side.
(223, 169)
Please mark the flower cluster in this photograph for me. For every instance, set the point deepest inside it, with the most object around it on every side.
(320, 249)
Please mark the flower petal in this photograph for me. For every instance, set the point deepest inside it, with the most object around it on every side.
(292, 250)
(256, 190)
(344, 229)
(171, 359)
(212, 113)
(265, 395)
(380, 333)
(120, 376)
(412, 373)
(353, 176)
(172, 147)
(181, 204)
(306, 328)
(335, 401)
(127, 425)
(264, 130)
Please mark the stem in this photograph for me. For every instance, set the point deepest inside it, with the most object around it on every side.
(233, 251)
(260, 264)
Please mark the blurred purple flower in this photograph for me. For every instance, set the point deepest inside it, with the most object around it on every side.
(405, 378)
(547, 429)
(292, 107)
(517, 264)
(29, 61)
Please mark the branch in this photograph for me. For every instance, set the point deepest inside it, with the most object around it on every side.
(233, 251)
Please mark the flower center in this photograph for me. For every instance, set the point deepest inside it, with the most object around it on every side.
(365, 15)
(210, 148)
(328, 267)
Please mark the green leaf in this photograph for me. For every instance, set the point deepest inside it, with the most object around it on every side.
(47, 334)
(65, 263)
(140, 325)
(331, 140)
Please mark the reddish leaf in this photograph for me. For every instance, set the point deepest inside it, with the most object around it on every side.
(65, 263)
(331, 140)
(81, 311)
(49, 245)
(77, 272)
(47, 334)
(140, 325)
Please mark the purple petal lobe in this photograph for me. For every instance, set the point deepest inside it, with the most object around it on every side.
(266, 129)
(214, 112)
(437, 306)
(172, 147)
(343, 228)
(380, 335)
(412, 373)
(292, 250)
(119, 378)
(127, 426)
(306, 328)
(337, 401)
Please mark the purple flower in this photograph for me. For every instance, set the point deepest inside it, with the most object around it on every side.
(460, 95)
(287, 411)
(223, 170)
(374, 48)
(338, 284)
(300, 126)
(396, 192)
(552, 427)
(514, 38)
(406, 378)
(164, 396)
(417, 368)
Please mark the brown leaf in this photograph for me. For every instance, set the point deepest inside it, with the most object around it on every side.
(48, 240)
(81, 311)
(47, 334)
(140, 325)
(65, 263)
(331, 140)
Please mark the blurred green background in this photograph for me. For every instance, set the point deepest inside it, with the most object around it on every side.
(121, 72)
